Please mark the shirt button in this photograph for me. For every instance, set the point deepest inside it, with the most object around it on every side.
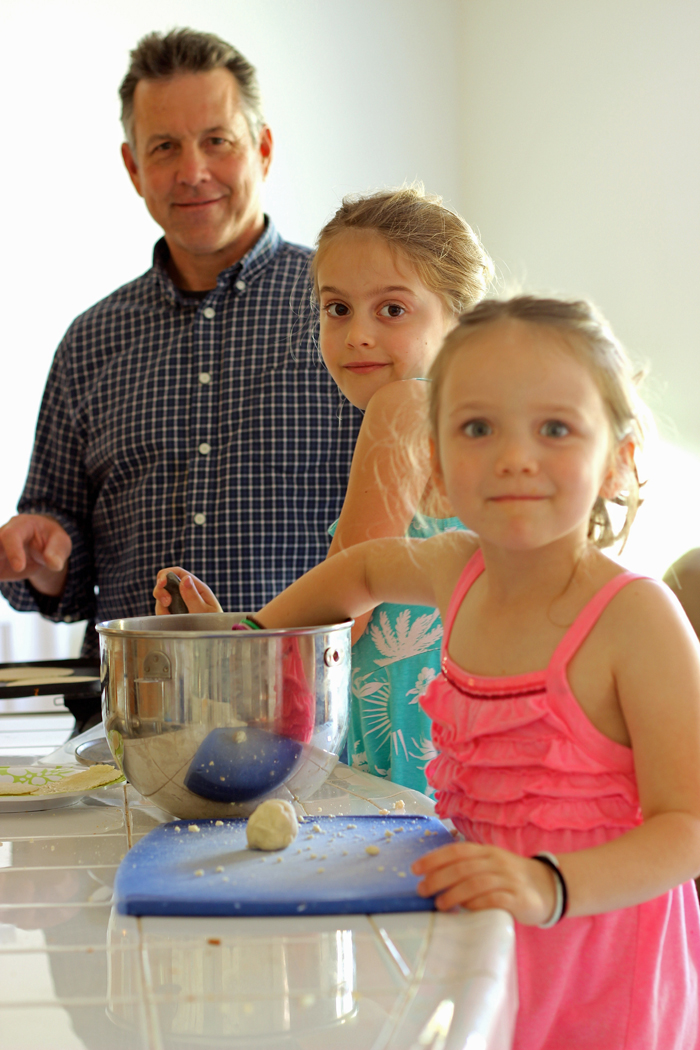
(205, 449)
(209, 312)
(240, 285)
(199, 519)
(204, 378)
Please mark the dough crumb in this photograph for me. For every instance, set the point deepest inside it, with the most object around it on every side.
(388, 834)
(219, 868)
(320, 871)
(383, 812)
(372, 850)
(241, 736)
(273, 825)
(402, 874)
(351, 826)
(316, 828)
(199, 872)
(380, 868)
(218, 823)
(193, 827)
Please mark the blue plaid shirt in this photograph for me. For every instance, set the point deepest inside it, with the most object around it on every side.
(202, 432)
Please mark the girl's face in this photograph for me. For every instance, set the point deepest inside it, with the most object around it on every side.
(524, 441)
(379, 322)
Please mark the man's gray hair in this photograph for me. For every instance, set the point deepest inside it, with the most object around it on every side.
(159, 56)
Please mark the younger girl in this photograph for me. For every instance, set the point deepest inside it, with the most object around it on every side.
(392, 273)
(567, 713)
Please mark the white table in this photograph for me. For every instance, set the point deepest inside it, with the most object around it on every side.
(75, 974)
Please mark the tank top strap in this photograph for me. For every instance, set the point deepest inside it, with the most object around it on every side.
(588, 618)
(473, 568)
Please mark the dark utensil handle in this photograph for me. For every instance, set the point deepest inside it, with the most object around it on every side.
(172, 586)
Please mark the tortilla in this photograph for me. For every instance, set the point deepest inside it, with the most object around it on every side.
(14, 674)
(18, 789)
(85, 780)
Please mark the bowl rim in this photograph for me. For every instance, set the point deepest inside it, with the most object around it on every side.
(118, 628)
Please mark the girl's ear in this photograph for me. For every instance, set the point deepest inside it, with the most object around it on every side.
(436, 468)
(621, 464)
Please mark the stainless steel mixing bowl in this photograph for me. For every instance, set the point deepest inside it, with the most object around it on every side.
(206, 721)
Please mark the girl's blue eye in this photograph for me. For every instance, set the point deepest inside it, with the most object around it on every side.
(554, 428)
(392, 310)
(336, 310)
(477, 428)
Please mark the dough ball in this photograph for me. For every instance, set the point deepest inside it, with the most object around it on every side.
(273, 825)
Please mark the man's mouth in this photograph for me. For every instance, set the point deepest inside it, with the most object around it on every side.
(196, 203)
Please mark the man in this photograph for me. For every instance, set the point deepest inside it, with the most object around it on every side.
(187, 417)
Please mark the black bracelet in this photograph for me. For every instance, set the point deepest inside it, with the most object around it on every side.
(562, 894)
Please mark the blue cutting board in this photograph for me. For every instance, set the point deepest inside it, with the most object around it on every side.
(175, 871)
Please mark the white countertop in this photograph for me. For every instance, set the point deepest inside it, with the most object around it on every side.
(75, 974)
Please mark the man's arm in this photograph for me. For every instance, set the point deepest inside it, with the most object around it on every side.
(46, 562)
(36, 548)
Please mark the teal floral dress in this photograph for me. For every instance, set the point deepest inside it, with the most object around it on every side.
(392, 664)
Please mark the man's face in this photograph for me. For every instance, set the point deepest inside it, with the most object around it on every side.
(197, 167)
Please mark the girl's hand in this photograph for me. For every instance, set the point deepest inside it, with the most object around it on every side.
(196, 595)
(478, 877)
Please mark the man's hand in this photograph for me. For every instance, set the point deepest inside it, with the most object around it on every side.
(196, 595)
(35, 547)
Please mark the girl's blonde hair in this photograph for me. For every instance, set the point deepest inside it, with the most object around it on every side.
(445, 252)
(592, 342)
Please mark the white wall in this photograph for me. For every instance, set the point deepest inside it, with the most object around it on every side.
(580, 163)
(359, 95)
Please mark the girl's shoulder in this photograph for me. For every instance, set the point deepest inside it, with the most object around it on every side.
(644, 611)
(451, 551)
(404, 398)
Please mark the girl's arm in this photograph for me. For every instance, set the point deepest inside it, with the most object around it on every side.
(352, 582)
(657, 674)
(390, 471)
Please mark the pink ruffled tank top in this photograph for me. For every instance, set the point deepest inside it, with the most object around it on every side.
(520, 766)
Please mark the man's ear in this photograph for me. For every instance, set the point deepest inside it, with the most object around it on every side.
(436, 468)
(265, 149)
(130, 165)
(621, 466)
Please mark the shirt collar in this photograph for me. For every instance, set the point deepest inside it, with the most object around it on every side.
(255, 260)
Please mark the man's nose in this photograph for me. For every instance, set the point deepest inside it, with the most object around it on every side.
(193, 167)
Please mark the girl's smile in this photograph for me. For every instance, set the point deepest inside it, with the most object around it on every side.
(524, 438)
(379, 322)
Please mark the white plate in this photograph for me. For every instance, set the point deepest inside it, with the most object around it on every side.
(50, 774)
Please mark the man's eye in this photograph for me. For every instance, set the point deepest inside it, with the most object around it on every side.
(163, 147)
(392, 310)
(337, 310)
(554, 428)
(477, 428)
(216, 140)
